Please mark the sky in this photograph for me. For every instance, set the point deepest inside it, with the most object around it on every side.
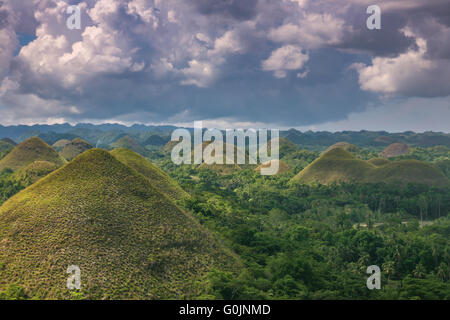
(306, 64)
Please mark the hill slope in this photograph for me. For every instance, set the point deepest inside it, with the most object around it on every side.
(35, 171)
(128, 142)
(282, 166)
(344, 145)
(75, 148)
(394, 150)
(155, 140)
(338, 165)
(60, 144)
(29, 151)
(378, 161)
(10, 141)
(129, 240)
(285, 147)
(156, 176)
(5, 148)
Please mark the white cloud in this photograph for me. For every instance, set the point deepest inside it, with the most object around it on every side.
(284, 59)
(410, 73)
(312, 31)
(228, 43)
(199, 73)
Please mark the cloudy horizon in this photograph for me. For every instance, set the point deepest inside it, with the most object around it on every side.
(310, 65)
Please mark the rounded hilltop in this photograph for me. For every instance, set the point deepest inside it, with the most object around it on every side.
(29, 151)
(128, 142)
(10, 141)
(338, 165)
(5, 147)
(60, 144)
(378, 161)
(395, 150)
(74, 148)
(345, 146)
(35, 171)
(157, 177)
(282, 166)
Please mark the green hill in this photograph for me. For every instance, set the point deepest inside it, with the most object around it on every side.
(167, 149)
(155, 140)
(60, 144)
(10, 141)
(224, 168)
(282, 166)
(29, 151)
(378, 161)
(75, 148)
(285, 147)
(344, 145)
(35, 171)
(338, 165)
(394, 150)
(5, 148)
(408, 171)
(129, 240)
(156, 176)
(128, 142)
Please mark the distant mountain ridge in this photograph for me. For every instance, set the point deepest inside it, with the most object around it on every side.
(95, 134)
(17, 132)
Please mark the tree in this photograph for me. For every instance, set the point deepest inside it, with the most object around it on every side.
(419, 271)
(389, 268)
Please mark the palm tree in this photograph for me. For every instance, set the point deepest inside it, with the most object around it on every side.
(443, 272)
(389, 268)
(419, 271)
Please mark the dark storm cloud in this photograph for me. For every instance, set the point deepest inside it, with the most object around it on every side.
(389, 41)
(237, 9)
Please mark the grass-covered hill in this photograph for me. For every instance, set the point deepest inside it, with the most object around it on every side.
(128, 142)
(156, 176)
(155, 140)
(29, 151)
(75, 148)
(10, 141)
(60, 144)
(5, 148)
(167, 149)
(128, 238)
(378, 161)
(35, 171)
(285, 147)
(394, 150)
(229, 166)
(282, 166)
(344, 145)
(338, 165)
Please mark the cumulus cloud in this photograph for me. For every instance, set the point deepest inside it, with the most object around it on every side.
(313, 31)
(183, 60)
(410, 74)
(284, 59)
